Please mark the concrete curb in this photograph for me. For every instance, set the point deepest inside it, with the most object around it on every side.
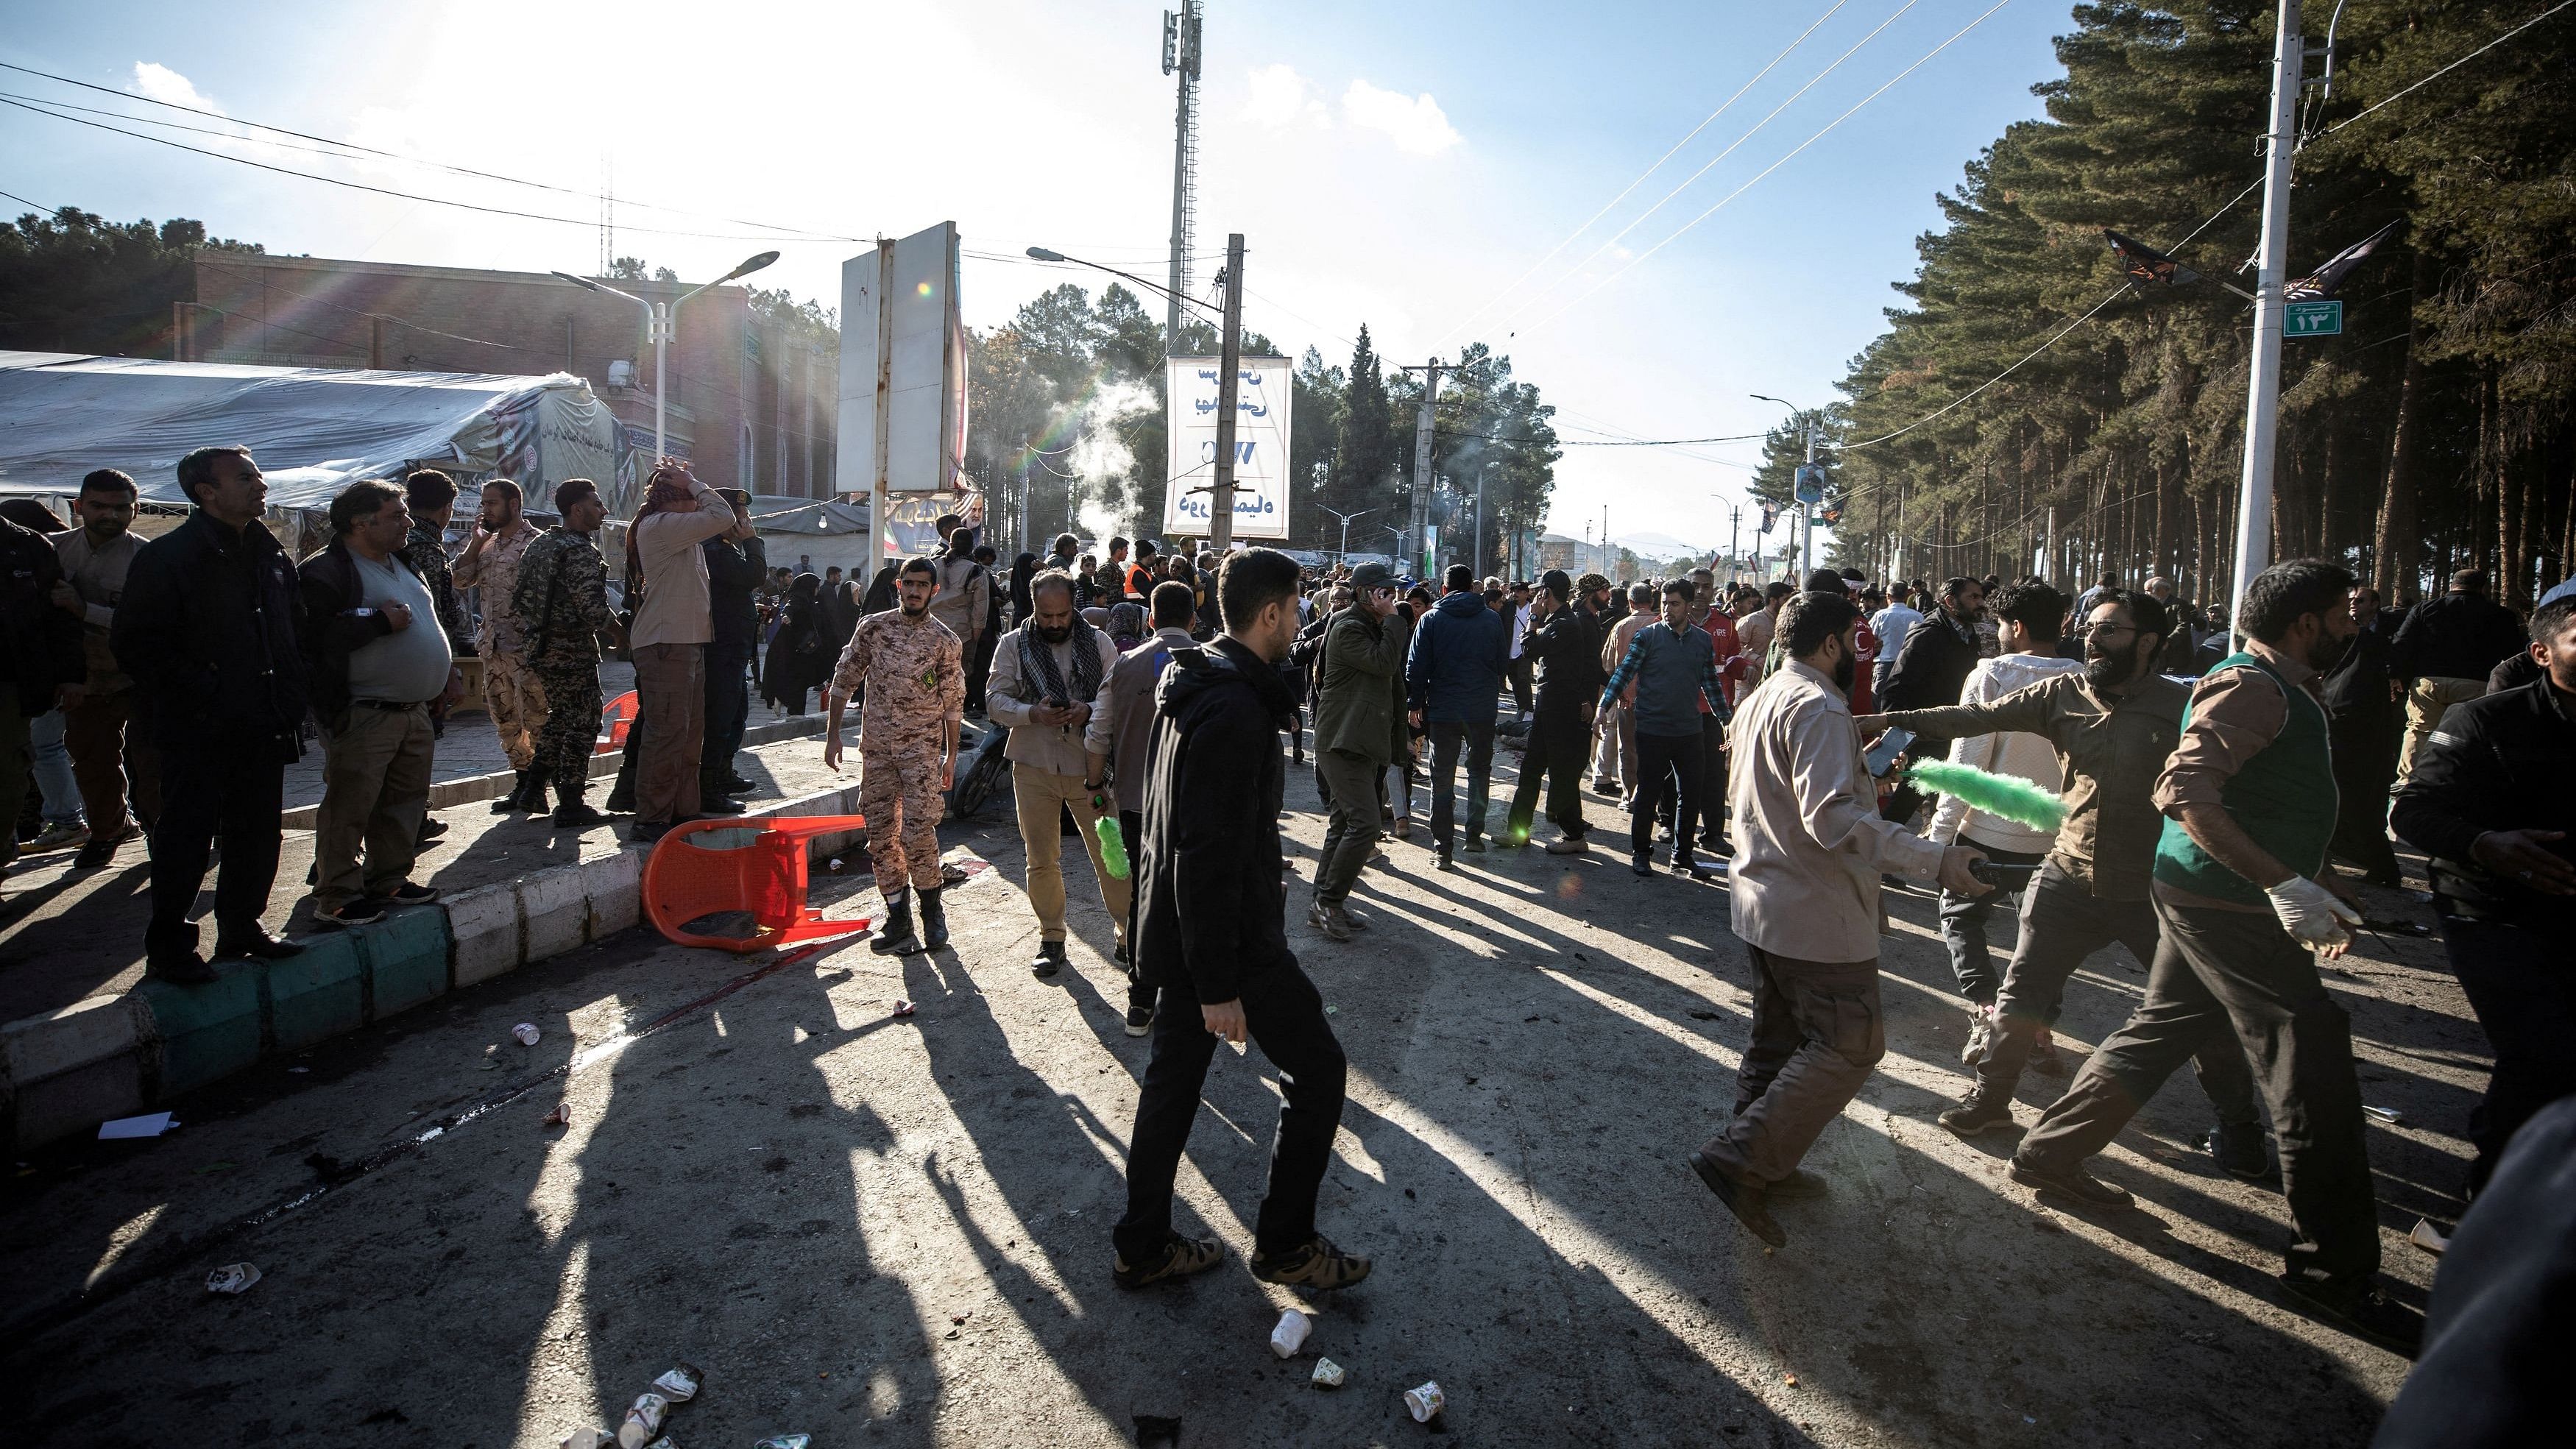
(64, 1072)
(470, 788)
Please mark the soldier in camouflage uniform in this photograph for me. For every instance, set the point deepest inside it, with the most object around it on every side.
(913, 667)
(562, 605)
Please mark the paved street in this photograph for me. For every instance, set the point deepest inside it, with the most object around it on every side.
(883, 1230)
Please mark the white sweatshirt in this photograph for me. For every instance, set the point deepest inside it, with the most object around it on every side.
(2026, 756)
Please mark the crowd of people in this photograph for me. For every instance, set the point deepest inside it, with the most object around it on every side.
(2207, 770)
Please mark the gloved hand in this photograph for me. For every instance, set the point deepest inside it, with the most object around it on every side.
(2312, 914)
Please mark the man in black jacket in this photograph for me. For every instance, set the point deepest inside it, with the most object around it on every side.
(2442, 654)
(734, 572)
(207, 630)
(2492, 800)
(2363, 721)
(1568, 650)
(1933, 667)
(1212, 937)
(41, 652)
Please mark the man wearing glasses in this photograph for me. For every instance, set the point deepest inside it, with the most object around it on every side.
(2112, 723)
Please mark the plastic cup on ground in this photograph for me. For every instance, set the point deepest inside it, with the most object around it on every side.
(1291, 1333)
(1425, 1402)
(1327, 1374)
(526, 1032)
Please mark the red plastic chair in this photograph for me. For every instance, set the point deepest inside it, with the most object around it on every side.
(615, 721)
(684, 880)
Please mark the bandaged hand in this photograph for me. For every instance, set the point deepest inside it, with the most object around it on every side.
(2312, 914)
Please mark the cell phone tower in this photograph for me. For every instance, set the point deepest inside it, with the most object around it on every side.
(1181, 56)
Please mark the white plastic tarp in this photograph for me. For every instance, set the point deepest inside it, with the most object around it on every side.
(313, 430)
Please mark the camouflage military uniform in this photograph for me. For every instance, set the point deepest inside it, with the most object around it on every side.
(562, 606)
(426, 551)
(511, 694)
(916, 679)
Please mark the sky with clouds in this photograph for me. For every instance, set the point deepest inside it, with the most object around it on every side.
(1654, 210)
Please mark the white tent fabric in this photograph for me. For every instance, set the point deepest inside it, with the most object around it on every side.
(313, 430)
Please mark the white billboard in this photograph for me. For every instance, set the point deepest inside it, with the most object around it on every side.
(903, 367)
(1263, 393)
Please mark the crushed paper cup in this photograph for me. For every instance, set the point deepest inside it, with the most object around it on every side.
(1327, 1374)
(1291, 1333)
(679, 1383)
(232, 1278)
(2429, 1238)
(786, 1441)
(526, 1032)
(903, 1008)
(643, 1421)
(588, 1439)
(1425, 1402)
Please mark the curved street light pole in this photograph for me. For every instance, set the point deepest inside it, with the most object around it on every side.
(658, 327)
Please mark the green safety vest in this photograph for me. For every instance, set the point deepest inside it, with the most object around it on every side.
(2284, 798)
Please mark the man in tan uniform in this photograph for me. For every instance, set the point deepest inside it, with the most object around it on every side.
(913, 667)
(511, 694)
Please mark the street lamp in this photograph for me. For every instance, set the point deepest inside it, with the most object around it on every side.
(1045, 255)
(1346, 528)
(1479, 562)
(658, 326)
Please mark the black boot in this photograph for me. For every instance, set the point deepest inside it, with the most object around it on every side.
(532, 798)
(570, 813)
(511, 802)
(894, 933)
(934, 920)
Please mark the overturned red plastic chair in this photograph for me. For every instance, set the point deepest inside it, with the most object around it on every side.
(615, 721)
(684, 880)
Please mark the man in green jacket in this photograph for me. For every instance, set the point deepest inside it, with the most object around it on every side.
(1359, 729)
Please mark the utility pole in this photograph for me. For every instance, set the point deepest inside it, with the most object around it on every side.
(1022, 537)
(1477, 564)
(1420, 514)
(1181, 57)
(1230, 354)
(2263, 392)
(2049, 565)
(1806, 518)
(1734, 528)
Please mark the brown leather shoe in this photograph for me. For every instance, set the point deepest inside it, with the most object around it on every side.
(1744, 1199)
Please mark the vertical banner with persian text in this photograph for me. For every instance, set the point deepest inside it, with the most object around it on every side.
(1263, 394)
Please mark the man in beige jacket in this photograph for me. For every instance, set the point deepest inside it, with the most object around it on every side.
(1046, 683)
(669, 638)
(1809, 850)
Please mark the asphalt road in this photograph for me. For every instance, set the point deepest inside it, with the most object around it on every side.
(883, 1230)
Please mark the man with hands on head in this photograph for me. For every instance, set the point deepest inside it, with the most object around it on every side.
(1810, 847)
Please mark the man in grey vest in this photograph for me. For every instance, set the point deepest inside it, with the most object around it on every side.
(1667, 675)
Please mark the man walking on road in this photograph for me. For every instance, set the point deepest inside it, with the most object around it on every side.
(1668, 676)
(1212, 937)
(1452, 679)
(2107, 725)
(560, 603)
(511, 694)
(207, 629)
(1614, 764)
(1569, 684)
(109, 740)
(1358, 730)
(1119, 745)
(374, 658)
(914, 671)
(2247, 905)
(2443, 653)
(1045, 687)
(1809, 849)
(1891, 625)
(2492, 802)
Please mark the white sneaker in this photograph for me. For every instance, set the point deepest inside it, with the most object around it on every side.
(1568, 845)
(59, 835)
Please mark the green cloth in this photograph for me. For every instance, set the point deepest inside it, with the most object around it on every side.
(1358, 706)
(2284, 798)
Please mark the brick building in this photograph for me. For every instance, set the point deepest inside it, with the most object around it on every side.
(753, 403)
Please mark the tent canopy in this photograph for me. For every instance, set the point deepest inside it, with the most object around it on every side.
(314, 430)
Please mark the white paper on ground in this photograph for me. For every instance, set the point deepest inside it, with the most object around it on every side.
(150, 1124)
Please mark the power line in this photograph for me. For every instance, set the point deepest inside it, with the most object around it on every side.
(1730, 150)
(1783, 161)
(1642, 175)
(2446, 70)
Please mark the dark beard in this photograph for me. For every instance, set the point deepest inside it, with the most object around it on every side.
(2326, 653)
(1056, 636)
(2105, 671)
(910, 612)
(1846, 672)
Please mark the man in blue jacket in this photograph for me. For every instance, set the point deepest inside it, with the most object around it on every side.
(1669, 669)
(1460, 651)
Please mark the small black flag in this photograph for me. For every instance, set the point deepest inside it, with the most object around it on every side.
(1770, 515)
(2144, 264)
(2323, 282)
